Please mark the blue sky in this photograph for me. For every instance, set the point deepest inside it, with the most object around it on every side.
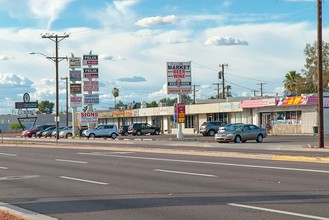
(260, 40)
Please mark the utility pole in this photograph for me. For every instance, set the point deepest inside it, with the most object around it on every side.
(221, 76)
(56, 38)
(217, 84)
(320, 78)
(261, 88)
(194, 93)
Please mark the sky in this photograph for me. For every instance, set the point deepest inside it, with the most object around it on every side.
(259, 40)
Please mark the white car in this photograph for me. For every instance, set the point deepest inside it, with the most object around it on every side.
(105, 131)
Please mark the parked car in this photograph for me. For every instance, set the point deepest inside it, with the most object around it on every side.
(210, 128)
(39, 133)
(143, 128)
(53, 134)
(66, 133)
(241, 133)
(105, 131)
(123, 130)
(32, 132)
(47, 133)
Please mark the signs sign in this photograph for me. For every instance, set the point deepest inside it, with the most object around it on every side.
(179, 77)
(88, 117)
(26, 103)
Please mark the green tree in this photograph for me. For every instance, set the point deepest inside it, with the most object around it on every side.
(228, 91)
(293, 82)
(311, 67)
(115, 93)
(85, 108)
(16, 126)
(46, 107)
(152, 104)
(168, 101)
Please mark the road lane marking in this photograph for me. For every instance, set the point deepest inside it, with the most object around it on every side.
(83, 180)
(11, 155)
(70, 161)
(4, 168)
(185, 173)
(278, 211)
(210, 163)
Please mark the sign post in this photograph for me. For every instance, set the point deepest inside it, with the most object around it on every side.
(179, 82)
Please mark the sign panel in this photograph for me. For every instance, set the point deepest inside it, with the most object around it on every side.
(90, 73)
(90, 86)
(75, 75)
(91, 98)
(75, 88)
(180, 112)
(74, 62)
(297, 100)
(20, 105)
(75, 101)
(87, 117)
(179, 77)
(89, 60)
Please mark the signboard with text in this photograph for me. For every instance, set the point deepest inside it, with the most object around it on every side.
(179, 77)
(75, 88)
(75, 101)
(89, 60)
(91, 99)
(74, 62)
(90, 86)
(90, 73)
(87, 117)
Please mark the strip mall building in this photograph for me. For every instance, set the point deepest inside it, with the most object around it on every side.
(288, 115)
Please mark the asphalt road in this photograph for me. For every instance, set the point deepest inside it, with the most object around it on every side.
(106, 184)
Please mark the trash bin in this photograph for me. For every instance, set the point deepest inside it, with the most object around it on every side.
(315, 129)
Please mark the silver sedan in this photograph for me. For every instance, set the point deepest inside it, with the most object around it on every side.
(241, 133)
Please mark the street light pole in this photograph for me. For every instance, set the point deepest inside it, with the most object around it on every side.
(67, 100)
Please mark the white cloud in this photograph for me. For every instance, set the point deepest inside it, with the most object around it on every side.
(176, 40)
(156, 21)
(48, 10)
(5, 57)
(224, 41)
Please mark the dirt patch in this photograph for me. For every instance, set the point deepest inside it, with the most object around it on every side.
(5, 215)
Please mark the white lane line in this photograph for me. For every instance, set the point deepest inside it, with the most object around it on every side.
(11, 155)
(185, 173)
(278, 211)
(70, 161)
(4, 168)
(211, 163)
(83, 180)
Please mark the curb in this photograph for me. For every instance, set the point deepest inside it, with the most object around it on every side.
(23, 213)
(301, 158)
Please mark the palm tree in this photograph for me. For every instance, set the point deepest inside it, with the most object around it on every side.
(115, 93)
(228, 91)
(292, 82)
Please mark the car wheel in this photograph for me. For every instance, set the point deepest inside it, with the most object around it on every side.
(33, 135)
(157, 132)
(114, 135)
(259, 138)
(139, 133)
(211, 132)
(126, 133)
(92, 136)
(68, 135)
(237, 139)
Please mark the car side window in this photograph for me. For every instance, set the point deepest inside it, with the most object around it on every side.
(246, 128)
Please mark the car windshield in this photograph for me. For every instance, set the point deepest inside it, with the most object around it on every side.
(232, 128)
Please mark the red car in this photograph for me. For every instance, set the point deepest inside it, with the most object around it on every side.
(32, 132)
